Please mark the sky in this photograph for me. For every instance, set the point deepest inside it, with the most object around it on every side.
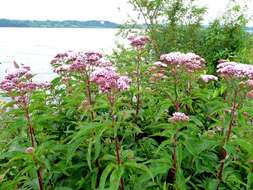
(112, 10)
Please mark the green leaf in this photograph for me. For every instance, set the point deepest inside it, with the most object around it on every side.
(89, 155)
(105, 174)
(115, 178)
(180, 180)
(212, 184)
(134, 165)
(63, 188)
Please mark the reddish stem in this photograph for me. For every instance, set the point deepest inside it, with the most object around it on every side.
(30, 128)
(88, 94)
(220, 172)
(138, 96)
(88, 91)
(171, 176)
(177, 105)
(33, 140)
(229, 132)
(232, 118)
(118, 160)
(40, 179)
(111, 100)
(174, 155)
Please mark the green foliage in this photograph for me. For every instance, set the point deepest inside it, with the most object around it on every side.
(76, 152)
(176, 25)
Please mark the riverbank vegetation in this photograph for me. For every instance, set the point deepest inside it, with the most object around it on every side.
(173, 110)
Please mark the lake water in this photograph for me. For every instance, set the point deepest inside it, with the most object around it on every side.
(37, 46)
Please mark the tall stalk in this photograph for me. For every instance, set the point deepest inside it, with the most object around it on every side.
(88, 95)
(33, 141)
(226, 139)
(86, 78)
(171, 176)
(176, 103)
(111, 100)
(174, 155)
(138, 81)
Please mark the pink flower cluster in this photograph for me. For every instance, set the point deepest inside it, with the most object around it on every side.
(189, 61)
(88, 61)
(207, 78)
(63, 57)
(78, 62)
(138, 41)
(19, 82)
(249, 94)
(61, 62)
(157, 71)
(108, 79)
(179, 117)
(234, 69)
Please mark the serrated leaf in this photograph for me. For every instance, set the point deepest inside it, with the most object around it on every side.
(115, 178)
(104, 175)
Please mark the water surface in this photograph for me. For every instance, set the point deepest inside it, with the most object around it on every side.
(37, 46)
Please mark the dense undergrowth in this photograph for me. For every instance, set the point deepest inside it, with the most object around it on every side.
(143, 120)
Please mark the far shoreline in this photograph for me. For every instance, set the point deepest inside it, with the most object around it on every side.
(62, 27)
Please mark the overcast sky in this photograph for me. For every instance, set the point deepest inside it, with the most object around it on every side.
(113, 10)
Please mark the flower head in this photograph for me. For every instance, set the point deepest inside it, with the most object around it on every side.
(18, 82)
(234, 69)
(108, 79)
(207, 78)
(189, 61)
(29, 150)
(78, 62)
(138, 41)
(179, 117)
(250, 83)
(61, 58)
(250, 94)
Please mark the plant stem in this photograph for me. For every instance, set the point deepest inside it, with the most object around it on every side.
(171, 176)
(177, 106)
(88, 95)
(118, 160)
(111, 100)
(226, 139)
(232, 119)
(174, 155)
(30, 127)
(138, 70)
(88, 91)
(40, 179)
(33, 140)
(220, 173)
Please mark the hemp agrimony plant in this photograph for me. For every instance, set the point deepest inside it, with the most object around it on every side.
(178, 119)
(138, 42)
(81, 64)
(174, 66)
(19, 86)
(111, 83)
(236, 76)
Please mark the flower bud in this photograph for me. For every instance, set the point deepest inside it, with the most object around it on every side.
(152, 68)
(250, 94)
(179, 117)
(250, 84)
(223, 154)
(1, 178)
(29, 150)
(241, 84)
